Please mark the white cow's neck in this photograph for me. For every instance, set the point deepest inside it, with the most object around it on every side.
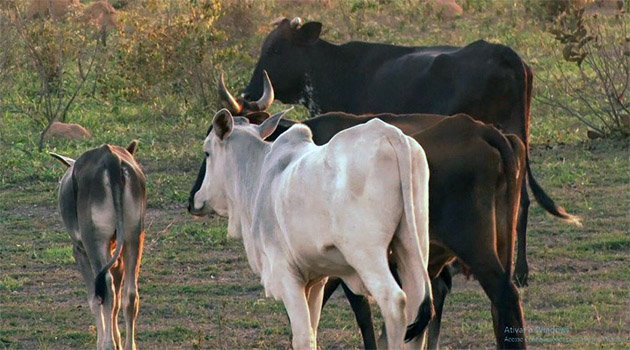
(242, 190)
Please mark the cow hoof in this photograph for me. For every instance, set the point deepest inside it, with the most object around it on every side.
(521, 279)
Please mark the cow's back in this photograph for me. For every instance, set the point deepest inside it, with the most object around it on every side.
(85, 194)
(484, 80)
(309, 190)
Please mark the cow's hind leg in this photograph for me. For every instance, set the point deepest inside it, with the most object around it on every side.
(521, 270)
(380, 283)
(132, 254)
(360, 307)
(315, 297)
(441, 286)
(117, 273)
(83, 263)
(507, 312)
(99, 255)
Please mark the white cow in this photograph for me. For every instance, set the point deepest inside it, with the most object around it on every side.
(306, 212)
(102, 200)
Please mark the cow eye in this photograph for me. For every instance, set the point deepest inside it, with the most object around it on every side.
(207, 154)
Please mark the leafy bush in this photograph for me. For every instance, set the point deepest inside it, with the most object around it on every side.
(50, 46)
(591, 78)
(164, 45)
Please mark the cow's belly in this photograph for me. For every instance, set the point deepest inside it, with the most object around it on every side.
(316, 258)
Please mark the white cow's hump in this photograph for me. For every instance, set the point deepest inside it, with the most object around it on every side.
(374, 127)
(298, 133)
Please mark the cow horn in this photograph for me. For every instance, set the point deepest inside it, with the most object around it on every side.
(67, 161)
(268, 95)
(232, 105)
(278, 20)
(295, 22)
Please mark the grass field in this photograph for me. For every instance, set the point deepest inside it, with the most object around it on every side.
(196, 288)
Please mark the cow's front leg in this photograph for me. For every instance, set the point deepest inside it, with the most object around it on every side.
(296, 304)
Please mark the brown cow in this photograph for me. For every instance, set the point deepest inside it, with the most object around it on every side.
(102, 200)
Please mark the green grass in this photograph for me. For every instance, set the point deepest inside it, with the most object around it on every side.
(59, 255)
(11, 284)
(196, 288)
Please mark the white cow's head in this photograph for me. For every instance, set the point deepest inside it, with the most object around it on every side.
(231, 147)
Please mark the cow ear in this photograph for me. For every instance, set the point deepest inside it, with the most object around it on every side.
(309, 33)
(257, 117)
(269, 126)
(223, 123)
(133, 146)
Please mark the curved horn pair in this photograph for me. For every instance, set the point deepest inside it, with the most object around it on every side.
(235, 107)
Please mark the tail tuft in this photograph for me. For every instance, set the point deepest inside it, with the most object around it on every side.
(546, 202)
(99, 286)
(570, 218)
(425, 314)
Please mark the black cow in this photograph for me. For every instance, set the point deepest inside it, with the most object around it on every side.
(487, 81)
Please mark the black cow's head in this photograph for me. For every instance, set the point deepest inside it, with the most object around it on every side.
(284, 55)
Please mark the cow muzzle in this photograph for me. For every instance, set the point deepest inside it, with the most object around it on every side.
(194, 211)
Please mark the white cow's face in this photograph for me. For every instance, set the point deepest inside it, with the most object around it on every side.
(227, 175)
(211, 196)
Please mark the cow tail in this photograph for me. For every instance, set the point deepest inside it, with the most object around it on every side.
(411, 278)
(513, 155)
(546, 202)
(116, 179)
(541, 197)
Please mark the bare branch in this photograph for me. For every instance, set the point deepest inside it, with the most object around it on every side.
(78, 88)
(553, 103)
